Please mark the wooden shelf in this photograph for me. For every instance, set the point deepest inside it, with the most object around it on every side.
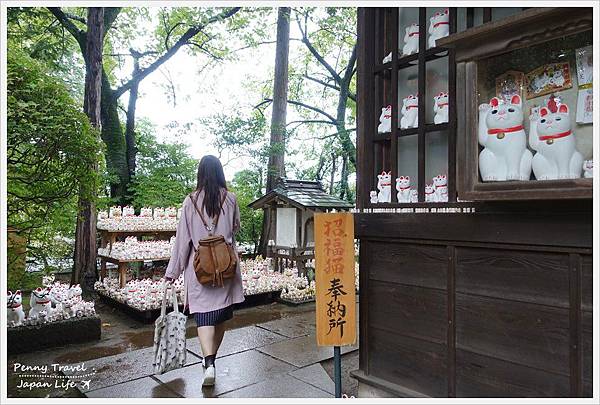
(411, 60)
(408, 131)
(387, 136)
(122, 265)
(115, 260)
(382, 67)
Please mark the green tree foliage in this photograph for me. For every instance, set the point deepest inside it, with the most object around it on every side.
(165, 174)
(50, 146)
(247, 185)
(36, 32)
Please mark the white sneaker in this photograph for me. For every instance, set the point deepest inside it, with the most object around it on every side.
(209, 377)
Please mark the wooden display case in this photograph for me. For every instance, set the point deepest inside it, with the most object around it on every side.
(496, 302)
(523, 41)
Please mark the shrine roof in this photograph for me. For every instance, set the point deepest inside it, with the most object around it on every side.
(301, 194)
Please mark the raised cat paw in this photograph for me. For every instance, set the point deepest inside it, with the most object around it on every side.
(483, 108)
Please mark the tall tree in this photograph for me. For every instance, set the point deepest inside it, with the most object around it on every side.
(276, 165)
(120, 153)
(85, 232)
(330, 63)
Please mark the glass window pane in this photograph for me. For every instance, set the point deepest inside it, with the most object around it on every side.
(477, 16)
(436, 91)
(407, 86)
(408, 41)
(461, 19)
(499, 13)
(408, 164)
(436, 165)
(536, 74)
(438, 24)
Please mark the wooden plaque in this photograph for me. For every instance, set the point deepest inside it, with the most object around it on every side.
(334, 275)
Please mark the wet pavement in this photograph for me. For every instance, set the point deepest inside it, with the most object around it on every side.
(268, 351)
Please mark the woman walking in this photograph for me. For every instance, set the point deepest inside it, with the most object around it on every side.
(211, 305)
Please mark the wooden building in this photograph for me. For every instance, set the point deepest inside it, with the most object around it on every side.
(292, 204)
(490, 293)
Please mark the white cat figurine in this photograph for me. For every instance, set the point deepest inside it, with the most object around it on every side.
(39, 301)
(388, 58)
(385, 120)
(439, 27)
(557, 79)
(550, 136)
(373, 196)
(410, 112)
(75, 292)
(540, 82)
(440, 183)
(16, 315)
(384, 185)
(505, 155)
(440, 108)
(414, 195)
(430, 193)
(68, 309)
(588, 169)
(411, 40)
(403, 188)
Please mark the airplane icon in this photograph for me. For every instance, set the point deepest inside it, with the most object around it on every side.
(85, 384)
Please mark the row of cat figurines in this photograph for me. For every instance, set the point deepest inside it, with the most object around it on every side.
(410, 112)
(437, 191)
(48, 304)
(506, 156)
(439, 27)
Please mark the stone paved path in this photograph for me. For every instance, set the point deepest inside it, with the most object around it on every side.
(277, 358)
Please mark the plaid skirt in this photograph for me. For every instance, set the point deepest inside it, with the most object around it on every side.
(215, 317)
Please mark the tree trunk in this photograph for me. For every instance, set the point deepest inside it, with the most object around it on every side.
(84, 271)
(112, 135)
(130, 141)
(332, 174)
(276, 165)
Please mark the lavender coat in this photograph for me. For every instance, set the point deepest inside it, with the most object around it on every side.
(199, 297)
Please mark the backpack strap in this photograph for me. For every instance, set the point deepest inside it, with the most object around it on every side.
(216, 221)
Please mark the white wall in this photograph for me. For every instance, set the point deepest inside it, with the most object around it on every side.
(286, 227)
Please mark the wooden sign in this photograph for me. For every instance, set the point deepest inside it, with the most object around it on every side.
(334, 276)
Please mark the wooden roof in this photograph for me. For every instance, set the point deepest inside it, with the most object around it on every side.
(301, 194)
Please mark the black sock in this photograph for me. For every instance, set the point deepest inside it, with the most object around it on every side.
(209, 360)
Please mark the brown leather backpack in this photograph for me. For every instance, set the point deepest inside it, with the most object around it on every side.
(215, 260)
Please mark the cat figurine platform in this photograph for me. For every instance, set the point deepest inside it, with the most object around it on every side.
(501, 133)
(550, 135)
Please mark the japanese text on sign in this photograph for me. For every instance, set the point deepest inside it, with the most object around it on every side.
(334, 274)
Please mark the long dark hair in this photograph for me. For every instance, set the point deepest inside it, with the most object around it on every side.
(211, 179)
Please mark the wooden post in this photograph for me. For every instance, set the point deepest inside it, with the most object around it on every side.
(122, 274)
(102, 269)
